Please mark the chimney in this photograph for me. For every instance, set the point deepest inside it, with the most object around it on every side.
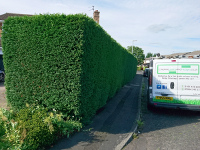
(96, 16)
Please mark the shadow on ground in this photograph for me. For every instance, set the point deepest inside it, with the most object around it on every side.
(112, 124)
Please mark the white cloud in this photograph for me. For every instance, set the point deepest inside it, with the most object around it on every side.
(158, 28)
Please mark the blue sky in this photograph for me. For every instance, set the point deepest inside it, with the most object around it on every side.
(164, 26)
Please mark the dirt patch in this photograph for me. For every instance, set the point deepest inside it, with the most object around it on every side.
(3, 102)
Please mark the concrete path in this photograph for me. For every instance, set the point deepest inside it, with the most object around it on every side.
(113, 126)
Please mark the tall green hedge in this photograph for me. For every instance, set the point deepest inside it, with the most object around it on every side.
(67, 63)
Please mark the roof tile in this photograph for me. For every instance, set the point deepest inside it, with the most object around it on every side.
(6, 15)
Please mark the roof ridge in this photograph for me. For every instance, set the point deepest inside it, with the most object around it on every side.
(6, 15)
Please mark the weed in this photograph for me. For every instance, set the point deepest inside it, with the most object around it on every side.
(135, 136)
(140, 124)
(88, 130)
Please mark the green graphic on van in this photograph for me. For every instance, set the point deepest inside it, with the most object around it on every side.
(184, 69)
(181, 101)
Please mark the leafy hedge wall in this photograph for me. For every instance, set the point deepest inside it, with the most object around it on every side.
(67, 63)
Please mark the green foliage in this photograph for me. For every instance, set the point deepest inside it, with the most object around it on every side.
(61, 125)
(138, 53)
(9, 135)
(106, 68)
(154, 55)
(139, 68)
(140, 124)
(64, 63)
(149, 55)
(34, 131)
(33, 128)
(2, 130)
(2, 117)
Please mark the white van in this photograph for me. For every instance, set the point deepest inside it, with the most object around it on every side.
(174, 83)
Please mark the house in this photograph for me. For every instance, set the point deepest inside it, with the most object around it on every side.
(146, 62)
(176, 55)
(194, 54)
(187, 55)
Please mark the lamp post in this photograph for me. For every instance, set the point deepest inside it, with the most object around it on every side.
(132, 45)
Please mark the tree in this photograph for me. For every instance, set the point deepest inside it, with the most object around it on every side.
(138, 53)
(154, 55)
(149, 55)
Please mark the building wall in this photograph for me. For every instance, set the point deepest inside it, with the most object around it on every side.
(0, 28)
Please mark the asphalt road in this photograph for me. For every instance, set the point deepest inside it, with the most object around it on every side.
(112, 126)
(166, 129)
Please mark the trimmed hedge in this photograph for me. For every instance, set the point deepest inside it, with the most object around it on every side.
(67, 63)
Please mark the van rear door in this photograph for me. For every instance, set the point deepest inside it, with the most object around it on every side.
(188, 81)
(165, 83)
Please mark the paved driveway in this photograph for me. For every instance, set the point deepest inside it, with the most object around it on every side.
(3, 103)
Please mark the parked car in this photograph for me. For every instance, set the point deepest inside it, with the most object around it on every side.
(2, 76)
(145, 73)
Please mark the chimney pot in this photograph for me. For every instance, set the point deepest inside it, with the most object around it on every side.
(96, 16)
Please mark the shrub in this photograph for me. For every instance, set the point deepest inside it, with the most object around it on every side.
(62, 127)
(34, 131)
(9, 135)
(67, 63)
(33, 128)
(2, 130)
